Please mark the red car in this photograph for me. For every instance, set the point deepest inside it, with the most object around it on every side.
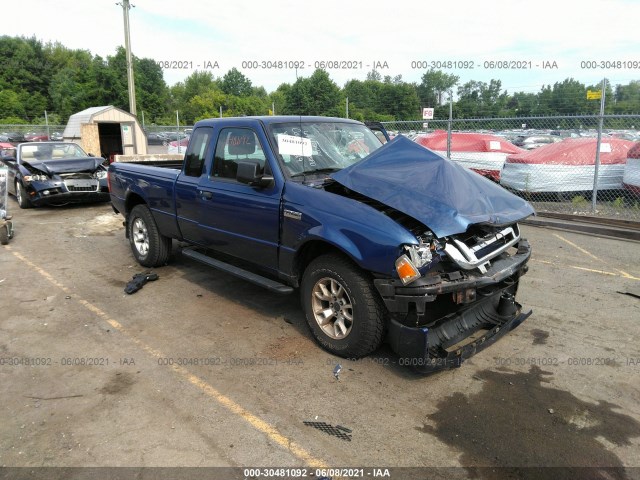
(36, 137)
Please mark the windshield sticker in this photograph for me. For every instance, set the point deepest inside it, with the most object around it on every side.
(494, 145)
(291, 145)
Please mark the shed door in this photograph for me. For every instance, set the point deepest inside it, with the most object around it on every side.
(90, 138)
(128, 139)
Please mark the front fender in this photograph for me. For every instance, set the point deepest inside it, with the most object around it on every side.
(370, 238)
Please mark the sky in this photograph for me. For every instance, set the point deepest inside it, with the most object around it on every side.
(399, 37)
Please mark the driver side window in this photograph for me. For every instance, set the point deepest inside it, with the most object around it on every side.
(236, 145)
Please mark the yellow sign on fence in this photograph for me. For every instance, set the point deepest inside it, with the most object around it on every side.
(594, 95)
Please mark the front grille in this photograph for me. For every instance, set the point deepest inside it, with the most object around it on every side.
(76, 176)
(475, 251)
(492, 247)
(73, 188)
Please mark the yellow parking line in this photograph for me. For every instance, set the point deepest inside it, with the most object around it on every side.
(253, 420)
(626, 275)
(593, 270)
(589, 254)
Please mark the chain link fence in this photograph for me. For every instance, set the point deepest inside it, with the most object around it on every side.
(26, 133)
(551, 161)
(562, 164)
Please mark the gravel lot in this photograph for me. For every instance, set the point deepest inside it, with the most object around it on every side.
(199, 369)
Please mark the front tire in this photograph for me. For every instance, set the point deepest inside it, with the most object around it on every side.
(22, 196)
(343, 310)
(149, 247)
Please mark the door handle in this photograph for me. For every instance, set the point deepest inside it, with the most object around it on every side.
(205, 195)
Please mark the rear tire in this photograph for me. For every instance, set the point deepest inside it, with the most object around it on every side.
(4, 235)
(22, 196)
(343, 309)
(149, 247)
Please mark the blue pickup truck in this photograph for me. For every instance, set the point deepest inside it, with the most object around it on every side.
(383, 240)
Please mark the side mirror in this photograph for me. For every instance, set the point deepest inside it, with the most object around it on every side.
(248, 172)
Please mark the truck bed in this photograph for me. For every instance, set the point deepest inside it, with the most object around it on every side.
(155, 184)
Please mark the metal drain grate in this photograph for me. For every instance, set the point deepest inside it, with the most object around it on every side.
(330, 429)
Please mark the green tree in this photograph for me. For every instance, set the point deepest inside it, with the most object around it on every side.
(279, 97)
(374, 75)
(316, 95)
(25, 66)
(324, 95)
(11, 105)
(297, 98)
(434, 86)
(522, 104)
(205, 105)
(569, 96)
(66, 92)
(235, 83)
(627, 98)
(152, 94)
(478, 99)
(399, 101)
(197, 83)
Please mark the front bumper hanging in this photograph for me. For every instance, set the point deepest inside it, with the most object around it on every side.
(426, 350)
(485, 309)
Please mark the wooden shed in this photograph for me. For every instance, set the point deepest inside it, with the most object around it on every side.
(106, 131)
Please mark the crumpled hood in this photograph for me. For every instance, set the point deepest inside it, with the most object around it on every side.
(69, 165)
(443, 195)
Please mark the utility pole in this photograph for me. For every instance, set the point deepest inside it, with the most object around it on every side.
(127, 45)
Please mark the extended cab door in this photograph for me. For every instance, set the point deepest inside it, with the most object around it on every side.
(235, 218)
(188, 201)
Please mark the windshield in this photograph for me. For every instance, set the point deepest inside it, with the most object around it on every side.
(316, 147)
(50, 151)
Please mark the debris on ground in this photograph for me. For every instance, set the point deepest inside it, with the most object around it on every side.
(338, 431)
(139, 280)
(631, 291)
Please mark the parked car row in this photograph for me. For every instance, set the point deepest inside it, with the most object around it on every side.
(481, 152)
(17, 137)
(543, 162)
(567, 166)
(11, 137)
(165, 138)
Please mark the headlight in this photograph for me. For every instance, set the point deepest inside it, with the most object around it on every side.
(419, 254)
(35, 178)
(100, 174)
(416, 256)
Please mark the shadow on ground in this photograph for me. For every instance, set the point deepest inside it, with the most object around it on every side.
(515, 423)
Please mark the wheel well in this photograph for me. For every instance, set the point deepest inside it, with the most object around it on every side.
(312, 250)
(133, 199)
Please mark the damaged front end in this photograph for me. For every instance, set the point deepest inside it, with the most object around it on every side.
(453, 291)
(462, 304)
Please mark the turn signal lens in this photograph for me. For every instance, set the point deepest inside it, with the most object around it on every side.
(406, 270)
